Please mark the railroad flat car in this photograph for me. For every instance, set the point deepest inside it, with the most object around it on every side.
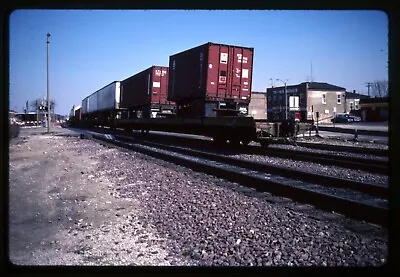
(102, 107)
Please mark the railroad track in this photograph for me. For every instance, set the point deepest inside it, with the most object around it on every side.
(361, 206)
(358, 163)
(369, 165)
(341, 148)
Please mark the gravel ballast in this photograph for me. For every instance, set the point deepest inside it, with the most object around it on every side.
(329, 170)
(125, 208)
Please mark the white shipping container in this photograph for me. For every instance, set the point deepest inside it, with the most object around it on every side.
(85, 104)
(109, 97)
(92, 107)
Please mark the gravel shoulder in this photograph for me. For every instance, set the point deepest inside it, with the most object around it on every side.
(62, 212)
(76, 202)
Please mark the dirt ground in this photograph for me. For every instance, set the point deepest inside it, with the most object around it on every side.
(62, 212)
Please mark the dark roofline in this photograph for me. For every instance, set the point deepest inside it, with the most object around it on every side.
(312, 86)
(259, 92)
(375, 100)
(323, 86)
(353, 95)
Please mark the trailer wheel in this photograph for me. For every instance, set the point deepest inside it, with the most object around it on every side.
(245, 142)
(264, 143)
(234, 141)
(128, 130)
(219, 140)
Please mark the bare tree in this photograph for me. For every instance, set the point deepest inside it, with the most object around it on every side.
(40, 103)
(380, 88)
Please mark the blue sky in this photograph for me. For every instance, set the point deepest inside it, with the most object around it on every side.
(91, 48)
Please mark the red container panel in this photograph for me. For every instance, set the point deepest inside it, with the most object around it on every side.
(145, 88)
(214, 72)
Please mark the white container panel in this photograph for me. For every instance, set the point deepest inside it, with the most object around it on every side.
(85, 104)
(93, 103)
(108, 97)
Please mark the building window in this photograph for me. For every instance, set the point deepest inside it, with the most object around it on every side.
(339, 99)
(351, 106)
(356, 104)
(324, 98)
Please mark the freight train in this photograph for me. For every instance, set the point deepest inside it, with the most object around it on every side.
(205, 90)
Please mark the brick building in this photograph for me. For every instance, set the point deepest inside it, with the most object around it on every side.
(258, 105)
(375, 109)
(305, 100)
(353, 102)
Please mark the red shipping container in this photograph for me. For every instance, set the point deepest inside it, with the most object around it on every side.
(213, 72)
(145, 88)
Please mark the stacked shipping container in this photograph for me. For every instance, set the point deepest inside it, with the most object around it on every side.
(211, 77)
(147, 91)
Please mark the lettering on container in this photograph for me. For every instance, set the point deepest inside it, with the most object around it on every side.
(224, 58)
(241, 59)
(212, 83)
(210, 66)
(245, 83)
(237, 72)
(245, 73)
(159, 72)
(156, 84)
(222, 79)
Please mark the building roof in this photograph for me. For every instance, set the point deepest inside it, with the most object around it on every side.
(375, 100)
(258, 92)
(352, 95)
(312, 86)
(322, 86)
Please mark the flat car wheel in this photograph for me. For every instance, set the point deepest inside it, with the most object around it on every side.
(245, 142)
(264, 143)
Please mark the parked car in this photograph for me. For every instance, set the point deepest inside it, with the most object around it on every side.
(341, 118)
(345, 118)
(354, 118)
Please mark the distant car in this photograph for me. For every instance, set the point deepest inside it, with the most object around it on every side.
(354, 118)
(341, 118)
(345, 118)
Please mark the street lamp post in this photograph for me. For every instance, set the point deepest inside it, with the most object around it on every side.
(48, 93)
(285, 96)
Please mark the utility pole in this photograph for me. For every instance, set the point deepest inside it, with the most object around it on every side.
(285, 96)
(311, 73)
(48, 93)
(368, 86)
